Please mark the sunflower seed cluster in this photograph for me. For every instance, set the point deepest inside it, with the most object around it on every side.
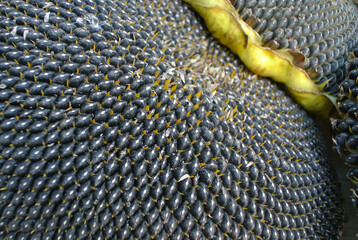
(324, 31)
(126, 120)
(346, 129)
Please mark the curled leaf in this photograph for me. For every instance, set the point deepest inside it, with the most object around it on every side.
(282, 65)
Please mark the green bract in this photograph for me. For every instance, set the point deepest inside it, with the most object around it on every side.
(281, 65)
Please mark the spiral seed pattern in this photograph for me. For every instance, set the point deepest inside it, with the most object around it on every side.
(126, 120)
(324, 31)
(346, 129)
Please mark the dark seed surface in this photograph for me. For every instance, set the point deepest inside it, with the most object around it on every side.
(346, 128)
(126, 120)
(318, 29)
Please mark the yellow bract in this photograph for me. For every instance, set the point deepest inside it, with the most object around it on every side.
(281, 65)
